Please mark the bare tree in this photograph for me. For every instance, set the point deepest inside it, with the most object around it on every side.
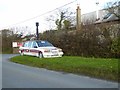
(114, 8)
(60, 18)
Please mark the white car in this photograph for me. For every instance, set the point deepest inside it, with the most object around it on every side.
(40, 49)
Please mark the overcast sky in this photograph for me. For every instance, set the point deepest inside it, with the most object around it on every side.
(15, 11)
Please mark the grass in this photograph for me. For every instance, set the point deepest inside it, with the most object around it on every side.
(95, 67)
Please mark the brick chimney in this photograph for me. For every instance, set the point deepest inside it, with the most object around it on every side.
(78, 18)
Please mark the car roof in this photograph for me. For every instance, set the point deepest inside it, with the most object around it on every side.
(35, 40)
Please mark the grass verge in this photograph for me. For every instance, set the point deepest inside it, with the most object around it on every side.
(95, 67)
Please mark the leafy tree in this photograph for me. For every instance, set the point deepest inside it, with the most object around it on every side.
(115, 47)
(67, 24)
(7, 38)
(0, 42)
(6, 41)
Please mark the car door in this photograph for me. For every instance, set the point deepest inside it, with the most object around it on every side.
(34, 49)
(26, 48)
(29, 47)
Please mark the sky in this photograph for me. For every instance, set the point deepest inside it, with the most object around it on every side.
(12, 12)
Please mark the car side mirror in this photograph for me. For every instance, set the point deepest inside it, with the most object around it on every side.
(35, 46)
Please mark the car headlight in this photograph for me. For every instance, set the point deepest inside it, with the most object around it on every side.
(60, 50)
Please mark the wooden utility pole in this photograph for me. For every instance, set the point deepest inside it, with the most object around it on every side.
(37, 34)
(78, 18)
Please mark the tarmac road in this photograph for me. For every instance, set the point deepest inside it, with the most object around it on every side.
(21, 76)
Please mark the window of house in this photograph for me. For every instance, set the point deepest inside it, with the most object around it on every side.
(107, 16)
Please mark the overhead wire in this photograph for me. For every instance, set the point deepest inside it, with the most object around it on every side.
(41, 14)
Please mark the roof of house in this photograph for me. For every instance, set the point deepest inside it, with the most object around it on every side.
(103, 16)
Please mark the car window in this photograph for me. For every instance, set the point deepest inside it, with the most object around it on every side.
(29, 44)
(25, 44)
(44, 44)
(34, 44)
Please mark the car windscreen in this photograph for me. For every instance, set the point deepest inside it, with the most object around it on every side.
(44, 44)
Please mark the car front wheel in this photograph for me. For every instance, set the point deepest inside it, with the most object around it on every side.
(21, 53)
(40, 55)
